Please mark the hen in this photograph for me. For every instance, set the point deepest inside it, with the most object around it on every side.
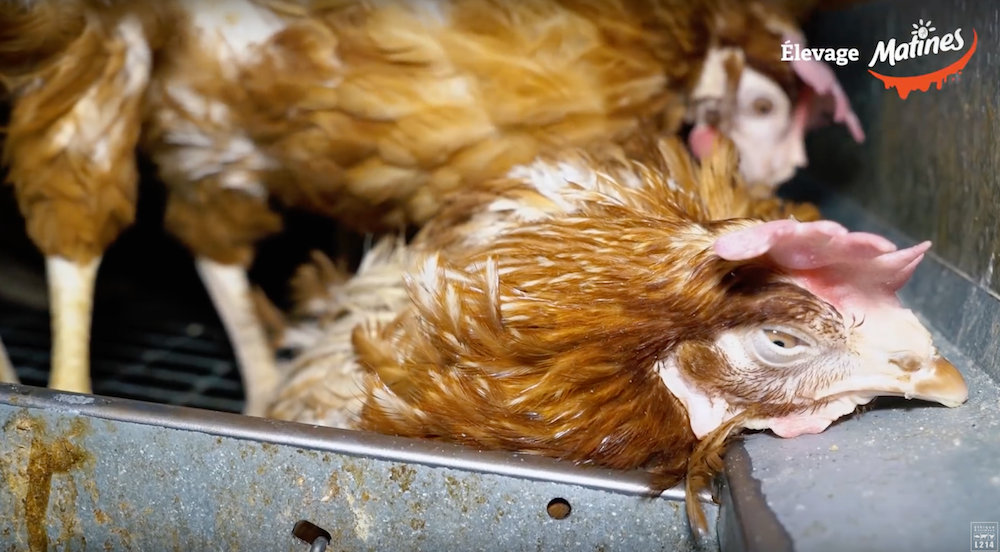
(615, 312)
(367, 111)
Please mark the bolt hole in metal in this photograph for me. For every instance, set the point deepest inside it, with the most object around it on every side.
(316, 537)
(558, 508)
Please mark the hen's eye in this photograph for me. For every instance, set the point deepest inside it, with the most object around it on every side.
(762, 106)
(781, 339)
(779, 348)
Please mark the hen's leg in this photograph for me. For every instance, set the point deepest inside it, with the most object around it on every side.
(71, 296)
(7, 373)
(220, 226)
(229, 289)
(71, 149)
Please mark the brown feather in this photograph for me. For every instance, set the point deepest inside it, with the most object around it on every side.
(375, 114)
(78, 77)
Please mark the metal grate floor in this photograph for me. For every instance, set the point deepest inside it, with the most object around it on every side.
(187, 363)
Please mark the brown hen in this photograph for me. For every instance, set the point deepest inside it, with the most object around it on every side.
(612, 311)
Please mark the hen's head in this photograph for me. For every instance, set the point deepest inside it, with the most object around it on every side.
(765, 105)
(824, 332)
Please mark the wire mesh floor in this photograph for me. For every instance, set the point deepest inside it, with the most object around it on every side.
(187, 363)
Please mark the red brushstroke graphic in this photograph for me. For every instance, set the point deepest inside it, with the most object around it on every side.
(905, 85)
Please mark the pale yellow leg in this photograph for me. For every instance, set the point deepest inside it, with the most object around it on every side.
(229, 288)
(7, 373)
(71, 298)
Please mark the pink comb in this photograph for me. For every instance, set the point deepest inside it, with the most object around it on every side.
(820, 77)
(840, 266)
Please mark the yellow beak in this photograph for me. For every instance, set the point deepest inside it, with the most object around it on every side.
(940, 382)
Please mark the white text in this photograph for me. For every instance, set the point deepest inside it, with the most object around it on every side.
(840, 56)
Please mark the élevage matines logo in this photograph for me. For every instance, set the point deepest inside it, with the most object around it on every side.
(923, 42)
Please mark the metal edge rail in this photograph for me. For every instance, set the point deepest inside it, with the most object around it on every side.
(333, 440)
(746, 523)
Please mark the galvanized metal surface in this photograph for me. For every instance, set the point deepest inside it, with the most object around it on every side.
(90, 473)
